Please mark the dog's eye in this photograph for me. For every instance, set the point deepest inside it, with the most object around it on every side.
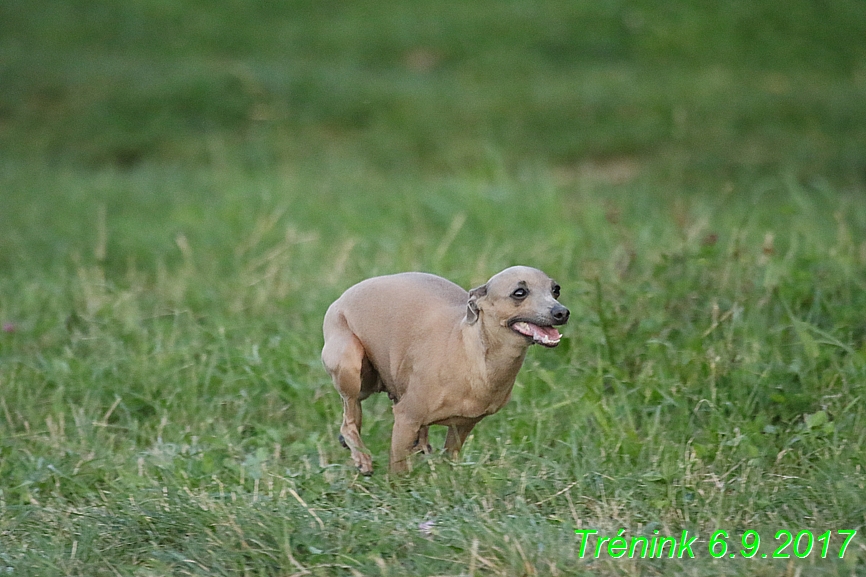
(555, 291)
(520, 293)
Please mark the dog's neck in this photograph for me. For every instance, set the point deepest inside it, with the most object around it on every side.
(502, 354)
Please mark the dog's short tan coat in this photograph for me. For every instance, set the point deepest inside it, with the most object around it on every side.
(444, 356)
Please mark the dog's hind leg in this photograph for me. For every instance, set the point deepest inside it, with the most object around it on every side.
(343, 357)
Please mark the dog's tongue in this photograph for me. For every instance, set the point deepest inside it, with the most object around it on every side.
(548, 336)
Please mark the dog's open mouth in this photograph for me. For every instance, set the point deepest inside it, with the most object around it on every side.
(545, 336)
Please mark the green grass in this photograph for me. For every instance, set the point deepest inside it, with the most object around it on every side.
(687, 86)
(185, 187)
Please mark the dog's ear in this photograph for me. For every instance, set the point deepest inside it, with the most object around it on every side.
(472, 305)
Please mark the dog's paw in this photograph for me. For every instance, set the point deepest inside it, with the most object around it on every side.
(425, 448)
(364, 464)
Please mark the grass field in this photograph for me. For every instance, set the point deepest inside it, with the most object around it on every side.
(185, 187)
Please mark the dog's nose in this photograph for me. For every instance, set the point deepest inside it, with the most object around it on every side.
(559, 314)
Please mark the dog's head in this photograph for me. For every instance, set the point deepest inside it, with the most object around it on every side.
(522, 300)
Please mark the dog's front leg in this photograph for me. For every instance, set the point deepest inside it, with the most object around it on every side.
(423, 442)
(457, 436)
(403, 438)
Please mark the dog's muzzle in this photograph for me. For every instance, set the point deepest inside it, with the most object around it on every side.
(560, 314)
(541, 330)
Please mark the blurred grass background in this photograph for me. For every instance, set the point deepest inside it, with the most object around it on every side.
(692, 87)
(185, 187)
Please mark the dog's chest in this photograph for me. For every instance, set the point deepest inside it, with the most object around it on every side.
(483, 401)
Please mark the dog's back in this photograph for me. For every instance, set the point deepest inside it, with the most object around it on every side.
(391, 314)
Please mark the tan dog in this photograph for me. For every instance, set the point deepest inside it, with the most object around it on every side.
(444, 356)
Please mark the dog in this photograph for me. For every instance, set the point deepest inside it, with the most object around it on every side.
(443, 355)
